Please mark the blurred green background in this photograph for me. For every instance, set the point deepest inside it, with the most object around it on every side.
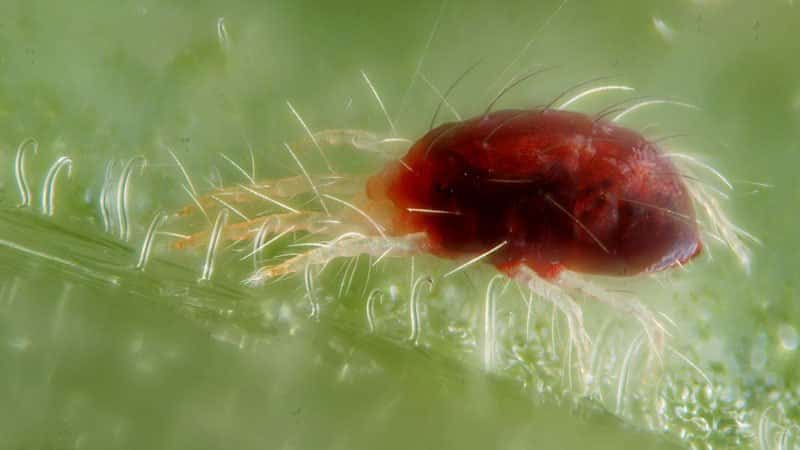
(95, 354)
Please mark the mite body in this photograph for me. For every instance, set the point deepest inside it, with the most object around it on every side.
(558, 189)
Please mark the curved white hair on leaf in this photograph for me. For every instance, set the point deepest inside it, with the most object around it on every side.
(19, 170)
(48, 186)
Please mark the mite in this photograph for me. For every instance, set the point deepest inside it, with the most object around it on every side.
(545, 195)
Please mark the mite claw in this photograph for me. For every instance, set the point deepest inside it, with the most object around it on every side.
(192, 241)
(266, 273)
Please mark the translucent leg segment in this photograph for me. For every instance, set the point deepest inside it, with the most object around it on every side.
(652, 328)
(272, 192)
(360, 140)
(556, 295)
(347, 245)
(312, 222)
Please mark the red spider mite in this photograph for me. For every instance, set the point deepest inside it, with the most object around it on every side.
(561, 189)
(547, 189)
(543, 194)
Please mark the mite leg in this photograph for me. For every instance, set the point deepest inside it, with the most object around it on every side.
(273, 192)
(722, 227)
(653, 329)
(313, 222)
(347, 245)
(556, 295)
(360, 140)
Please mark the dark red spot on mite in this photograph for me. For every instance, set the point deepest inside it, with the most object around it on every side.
(561, 189)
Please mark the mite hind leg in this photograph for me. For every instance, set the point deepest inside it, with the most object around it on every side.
(652, 327)
(347, 245)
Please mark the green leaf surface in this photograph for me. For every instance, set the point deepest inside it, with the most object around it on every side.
(99, 354)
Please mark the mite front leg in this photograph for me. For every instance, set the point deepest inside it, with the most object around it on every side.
(347, 245)
(272, 193)
(312, 222)
(361, 140)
